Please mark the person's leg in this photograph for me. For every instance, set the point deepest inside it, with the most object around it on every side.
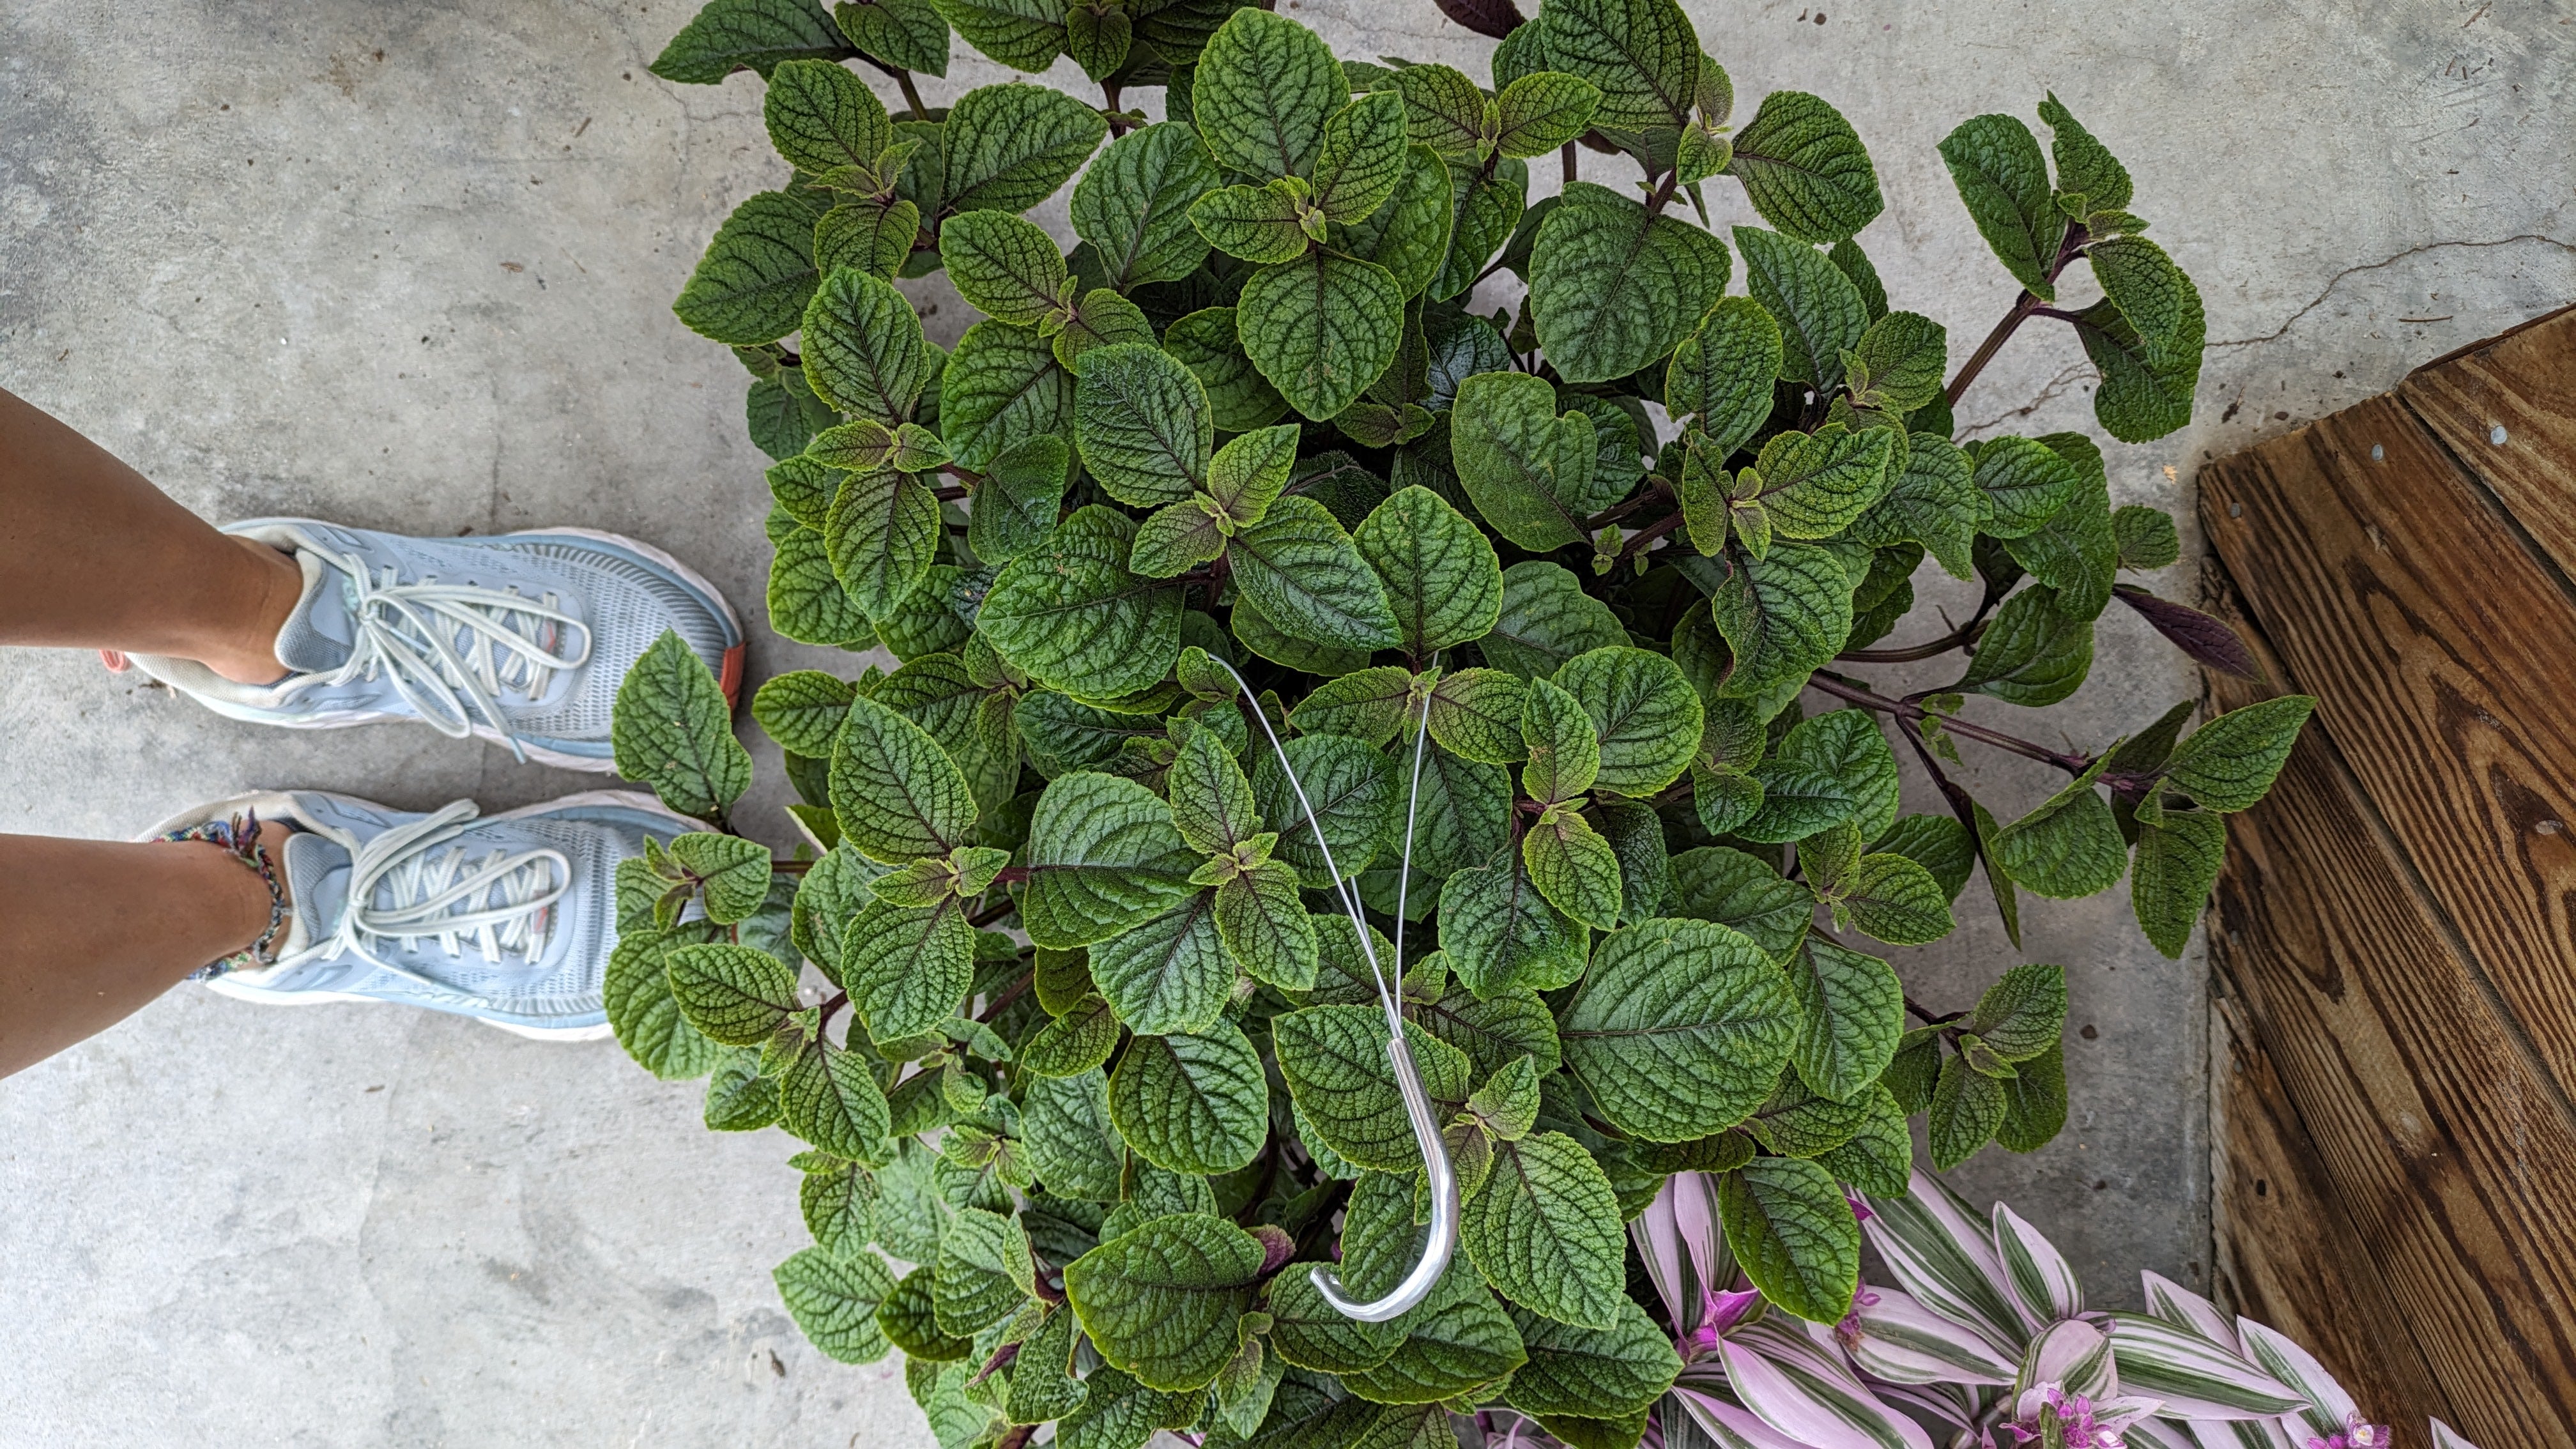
(92, 556)
(90, 930)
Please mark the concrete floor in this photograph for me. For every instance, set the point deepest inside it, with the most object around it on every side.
(409, 267)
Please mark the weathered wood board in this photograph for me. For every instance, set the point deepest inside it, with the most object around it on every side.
(2393, 935)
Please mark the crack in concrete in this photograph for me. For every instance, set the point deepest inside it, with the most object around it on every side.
(2054, 385)
(2389, 261)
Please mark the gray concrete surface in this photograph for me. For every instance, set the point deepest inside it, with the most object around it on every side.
(409, 266)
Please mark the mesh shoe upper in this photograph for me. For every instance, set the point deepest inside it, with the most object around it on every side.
(519, 637)
(509, 917)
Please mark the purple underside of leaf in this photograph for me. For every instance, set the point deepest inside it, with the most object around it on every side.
(2209, 641)
(1494, 18)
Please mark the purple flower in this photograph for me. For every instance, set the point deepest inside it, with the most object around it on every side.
(2357, 1433)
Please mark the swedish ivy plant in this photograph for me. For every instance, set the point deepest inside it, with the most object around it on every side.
(1100, 1055)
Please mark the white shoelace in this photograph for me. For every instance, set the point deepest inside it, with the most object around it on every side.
(407, 633)
(503, 902)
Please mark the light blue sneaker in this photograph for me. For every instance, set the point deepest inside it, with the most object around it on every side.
(508, 918)
(521, 638)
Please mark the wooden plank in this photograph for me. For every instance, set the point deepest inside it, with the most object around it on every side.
(2525, 383)
(2406, 1113)
(2287, 1254)
(2442, 650)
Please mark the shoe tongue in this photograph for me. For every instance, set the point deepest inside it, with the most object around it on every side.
(317, 880)
(322, 631)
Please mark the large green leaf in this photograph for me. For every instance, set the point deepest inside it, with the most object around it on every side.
(1169, 974)
(1745, 894)
(1142, 421)
(1499, 933)
(1814, 484)
(1133, 204)
(1262, 922)
(897, 794)
(1162, 1303)
(1264, 87)
(1527, 469)
(636, 991)
(1010, 146)
(2025, 483)
(882, 534)
(1852, 1011)
(1240, 399)
(1820, 312)
(910, 34)
(2229, 764)
(2146, 389)
(1793, 1234)
(2178, 860)
(1321, 328)
(1613, 287)
(1722, 373)
(1103, 858)
(1353, 791)
(2069, 847)
(1409, 235)
(1783, 615)
(1312, 1334)
(827, 1096)
(864, 351)
(732, 994)
(1995, 161)
(1441, 576)
(1645, 713)
(1003, 266)
(1592, 1373)
(2033, 653)
(1001, 388)
(672, 729)
(1305, 575)
(1544, 1230)
(1642, 55)
(1804, 169)
(1483, 210)
(1070, 614)
(834, 1299)
(1071, 1145)
(1191, 1103)
(821, 116)
(757, 275)
(1679, 1029)
(1932, 500)
(757, 35)
(1362, 157)
(1547, 619)
(1335, 1061)
(907, 968)
(1022, 34)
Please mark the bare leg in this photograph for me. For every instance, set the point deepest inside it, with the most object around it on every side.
(92, 556)
(90, 930)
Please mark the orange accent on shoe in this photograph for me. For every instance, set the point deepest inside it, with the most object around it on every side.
(730, 678)
(116, 663)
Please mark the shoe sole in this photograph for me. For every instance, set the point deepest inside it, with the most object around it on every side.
(243, 991)
(728, 677)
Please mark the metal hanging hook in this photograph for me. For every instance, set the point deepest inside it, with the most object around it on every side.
(1417, 1284)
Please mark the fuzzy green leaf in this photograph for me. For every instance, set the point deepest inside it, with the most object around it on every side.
(827, 1097)
(1805, 170)
(1321, 328)
(1133, 204)
(1353, 791)
(1191, 1103)
(1645, 713)
(1312, 1334)
(864, 352)
(757, 35)
(1614, 288)
(1783, 615)
(758, 273)
(1362, 157)
(1499, 933)
(2229, 764)
(1304, 574)
(1642, 55)
(1441, 576)
(1547, 619)
(1527, 469)
(1070, 614)
(1814, 484)
(636, 992)
(1564, 746)
(1853, 1011)
(673, 730)
(1544, 1230)
(2003, 179)
(910, 34)
(882, 534)
(1142, 422)
(834, 1299)
(1253, 223)
(1932, 500)
(2177, 864)
(1262, 922)
(1892, 899)
(1071, 1145)
(1002, 388)
(1003, 266)
(1263, 90)
(1538, 113)
(1240, 399)
(1103, 858)
(1170, 974)
(1025, 35)
(1335, 1061)
(1966, 1109)
(731, 994)
(1793, 1235)
(1679, 1029)
(1722, 373)
(1593, 1373)
(1743, 893)
(897, 794)
(2069, 846)
(907, 968)
(2033, 654)
(1820, 313)
(1010, 146)
(821, 116)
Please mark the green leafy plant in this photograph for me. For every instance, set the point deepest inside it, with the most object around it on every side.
(1100, 1057)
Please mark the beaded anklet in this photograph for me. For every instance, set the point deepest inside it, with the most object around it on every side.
(239, 837)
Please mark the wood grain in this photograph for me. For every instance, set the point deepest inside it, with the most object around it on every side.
(2442, 650)
(2387, 1093)
(2525, 383)
(2287, 1255)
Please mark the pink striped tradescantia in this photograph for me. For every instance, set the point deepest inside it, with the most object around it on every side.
(1982, 1342)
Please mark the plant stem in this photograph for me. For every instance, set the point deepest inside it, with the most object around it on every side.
(1663, 196)
(1929, 1017)
(1965, 634)
(1662, 489)
(2024, 307)
(1010, 993)
(911, 95)
(990, 914)
(1568, 154)
(835, 1004)
(1911, 712)
(1648, 534)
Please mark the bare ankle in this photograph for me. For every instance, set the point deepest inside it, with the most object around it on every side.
(271, 588)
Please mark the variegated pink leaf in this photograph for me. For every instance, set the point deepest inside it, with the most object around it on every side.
(1796, 1388)
(2197, 1379)
(2042, 1283)
(1897, 1339)
(1942, 1254)
(2329, 1407)
(2185, 1309)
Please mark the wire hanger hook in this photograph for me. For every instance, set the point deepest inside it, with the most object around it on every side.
(1417, 1284)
